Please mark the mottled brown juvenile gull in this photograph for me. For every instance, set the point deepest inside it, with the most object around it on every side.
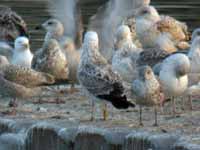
(173, 76)
(20, 82)
(52, 60)
(11, 25)
(125, 56)
(97, 78)
(147, 90)
(22, 55)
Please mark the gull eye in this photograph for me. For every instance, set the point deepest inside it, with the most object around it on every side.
(50, 23)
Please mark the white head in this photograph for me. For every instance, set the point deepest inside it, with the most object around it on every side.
(22, 44)
(149, 13)
(123, 33)
(54, 27)
(179, 64)
(91, 40)
(196, 33)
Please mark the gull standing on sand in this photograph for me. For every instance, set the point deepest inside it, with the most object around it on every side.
(55, 30)
(173, 76)
(147, 90)
(53, 61)
(97, 78)
(125, 56)
(22, 55)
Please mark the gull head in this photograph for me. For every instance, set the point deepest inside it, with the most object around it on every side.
(22, 44)
(179, 64)
(148, 12)
(146, 73)
(196, 33)
(123, 33)
(91, 40)
(50, 46)
(53, 26)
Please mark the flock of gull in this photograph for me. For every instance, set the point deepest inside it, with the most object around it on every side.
(154, 60)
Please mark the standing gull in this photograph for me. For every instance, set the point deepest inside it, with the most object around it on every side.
(173, 76)
(22, 55)
(97, 78)
(147, 90)
(125, 56)
(52, 60)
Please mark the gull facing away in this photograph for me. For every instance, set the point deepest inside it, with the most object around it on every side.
(52, 60)
(22, 55)
(97, 78)
(147, 90)
(173, 76)
(125, 56)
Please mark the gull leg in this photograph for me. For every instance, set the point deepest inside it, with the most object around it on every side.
(191, 104)
(73, 89)
(92, 110)
(105, 112)
(156, 116)
(141, 124)
(13, 104)
(173, 107)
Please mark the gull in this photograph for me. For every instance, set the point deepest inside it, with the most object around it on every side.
(18, 81)
(73, 59)
(11, 26)
(97, 78)
(147, 90)
(52, 60)
(194, 54)
(173, 76)
(22, 55)
(55, 30)
(125, 56)
(164, 32)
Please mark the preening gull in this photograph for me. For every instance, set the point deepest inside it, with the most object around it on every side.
(97, 78)
(164, 32)
(125, 56)
(52, 60)
(173, 76)
(22, 55)
(147, 90)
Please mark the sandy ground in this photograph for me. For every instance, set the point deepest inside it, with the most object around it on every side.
(76, 107)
